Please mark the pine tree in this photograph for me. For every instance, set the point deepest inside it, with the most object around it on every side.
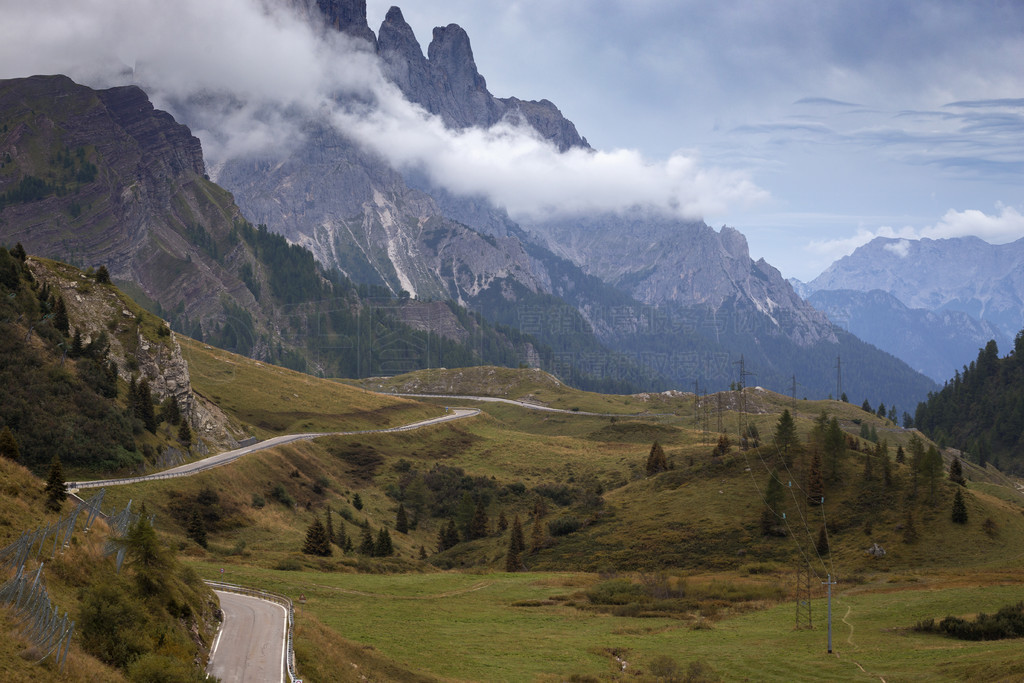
(956, 472)
(901, 457)
(19, 253)
(197, 527)
(822, 545)
(815, 481)
(656, 461)
(423, 552)
(102, 276)
(383, 546)
(538, 535)
(343, 541)
(786, 440)
(464, 515)
(835, 446)
(329, 525)
(401, 521)
(56, 490)
(959, 508)
(317, 542)
(502, 522)
(144, 406)
(866, 407)
(9, 445)
(357, 502)
(883, 452)
(185, 434)
(869, 468)
(366, 544)
(478, 527)
(60, 317)
(514, 558)
(932, 468)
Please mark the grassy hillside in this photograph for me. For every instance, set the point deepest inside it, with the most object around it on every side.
(670, 563)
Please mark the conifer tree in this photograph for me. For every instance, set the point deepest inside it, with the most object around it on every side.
(144, 406)
(478, 527)
(60, 317)
(538, 535)
(959, 508)
(357, 502)
(815, 481)
(956, 472)
(423, 552)
(502, 522)
(447, 536)
(56, 490)
(19, 253)
(656, 461)
(835, 446)
(197, 527)
(102, 276)
(932, 468)
(883, 452)
(514, 558)
(9, 445)
(317, 542)
(822, 545)
(401, 521)
(785, 436)
(342, 539)
(869, 467)
(366, 544)
(901, 457)
(383, 547)
(185, 434)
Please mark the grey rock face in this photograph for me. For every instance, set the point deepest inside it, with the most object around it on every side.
(662, 260)
(964, 274)
(448, 84)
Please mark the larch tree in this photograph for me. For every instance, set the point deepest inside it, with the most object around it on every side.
(959, 514)
(956, 472)
(786, 440)
(317, 542)
(401, 520)
(656, 461)
(196, 529)
(56, 490)
(514, 557)
(383, 546)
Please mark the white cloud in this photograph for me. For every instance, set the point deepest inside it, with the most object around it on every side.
(901, 248)
(248, 73)
(1005, 226)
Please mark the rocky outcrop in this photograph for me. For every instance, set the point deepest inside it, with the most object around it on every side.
(447, 83)
(347, 16)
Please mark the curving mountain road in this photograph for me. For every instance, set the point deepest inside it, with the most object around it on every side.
(229, 456)
(252, 642)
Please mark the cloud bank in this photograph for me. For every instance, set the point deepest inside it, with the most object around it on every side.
(1003, 226)
(248, 74)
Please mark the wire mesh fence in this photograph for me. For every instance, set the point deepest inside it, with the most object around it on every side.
(36, 618)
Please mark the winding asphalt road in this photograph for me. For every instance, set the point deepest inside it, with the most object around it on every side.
(250, 646)
(229, 456)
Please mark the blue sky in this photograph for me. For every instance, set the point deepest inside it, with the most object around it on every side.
(811, 126)
(857, 118)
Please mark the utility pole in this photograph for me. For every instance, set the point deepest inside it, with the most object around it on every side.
(829, 583)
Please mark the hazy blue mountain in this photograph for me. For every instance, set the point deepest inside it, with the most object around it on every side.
(936, 344)
(965, 274)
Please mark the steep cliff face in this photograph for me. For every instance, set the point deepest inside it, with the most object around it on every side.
(446, 82)
(665, 261)
(127, 189)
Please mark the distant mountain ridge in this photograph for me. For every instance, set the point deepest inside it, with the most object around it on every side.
(966, 274)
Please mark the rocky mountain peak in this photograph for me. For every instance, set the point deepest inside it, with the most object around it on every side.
(347, 16)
